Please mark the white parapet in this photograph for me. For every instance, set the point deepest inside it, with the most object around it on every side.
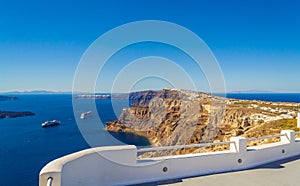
(289, 136)
(88, 167)
(239, 145)
(118, 165)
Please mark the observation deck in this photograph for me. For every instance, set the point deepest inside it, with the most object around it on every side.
(119, 165)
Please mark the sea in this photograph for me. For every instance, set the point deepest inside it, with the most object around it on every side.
(26, 147)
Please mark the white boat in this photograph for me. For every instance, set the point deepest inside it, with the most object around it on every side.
(50, 123)
(86, 114)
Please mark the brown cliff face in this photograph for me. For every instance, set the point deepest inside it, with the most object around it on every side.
(178, 117)
(172, 117)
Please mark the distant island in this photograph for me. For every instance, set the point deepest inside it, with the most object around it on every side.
(38, 92)
(12, 114)
(7, 98)
(103, 96)
(93, 96)
(253, 92)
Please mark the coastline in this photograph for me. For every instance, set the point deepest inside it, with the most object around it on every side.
(241, 118)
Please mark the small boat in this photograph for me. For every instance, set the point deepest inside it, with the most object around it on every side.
(86, 114)
(50, 123)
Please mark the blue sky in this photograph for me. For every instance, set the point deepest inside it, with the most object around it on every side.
(257, 43)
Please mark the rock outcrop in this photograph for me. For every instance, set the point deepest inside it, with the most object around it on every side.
(177, 117)
(171, 117)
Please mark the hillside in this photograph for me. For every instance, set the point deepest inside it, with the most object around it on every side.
(176, 117)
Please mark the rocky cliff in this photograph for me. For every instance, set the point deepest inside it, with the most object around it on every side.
(171, 117)
(176, 117)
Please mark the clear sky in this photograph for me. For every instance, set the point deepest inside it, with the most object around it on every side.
(256, 42)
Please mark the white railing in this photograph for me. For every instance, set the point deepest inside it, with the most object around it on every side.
(267, 137)
(183, 146)
(118, 165)
(297, 132)
(149, 149)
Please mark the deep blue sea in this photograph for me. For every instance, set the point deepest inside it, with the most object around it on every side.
(25, 147)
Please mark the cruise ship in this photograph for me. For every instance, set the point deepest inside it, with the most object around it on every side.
(86, 114)
(50, 123)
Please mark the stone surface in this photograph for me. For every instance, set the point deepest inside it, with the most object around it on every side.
(284, 172)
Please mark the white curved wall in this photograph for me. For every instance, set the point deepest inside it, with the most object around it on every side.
(118, 165)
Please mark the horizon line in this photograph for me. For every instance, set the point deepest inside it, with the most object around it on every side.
(107, 92)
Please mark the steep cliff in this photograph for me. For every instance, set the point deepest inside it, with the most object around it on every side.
(176, 117)
(171, 117)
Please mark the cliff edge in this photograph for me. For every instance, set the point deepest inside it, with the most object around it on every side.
(177, 117)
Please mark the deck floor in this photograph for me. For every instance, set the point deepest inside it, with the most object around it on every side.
(285, 172)
(281, 173)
